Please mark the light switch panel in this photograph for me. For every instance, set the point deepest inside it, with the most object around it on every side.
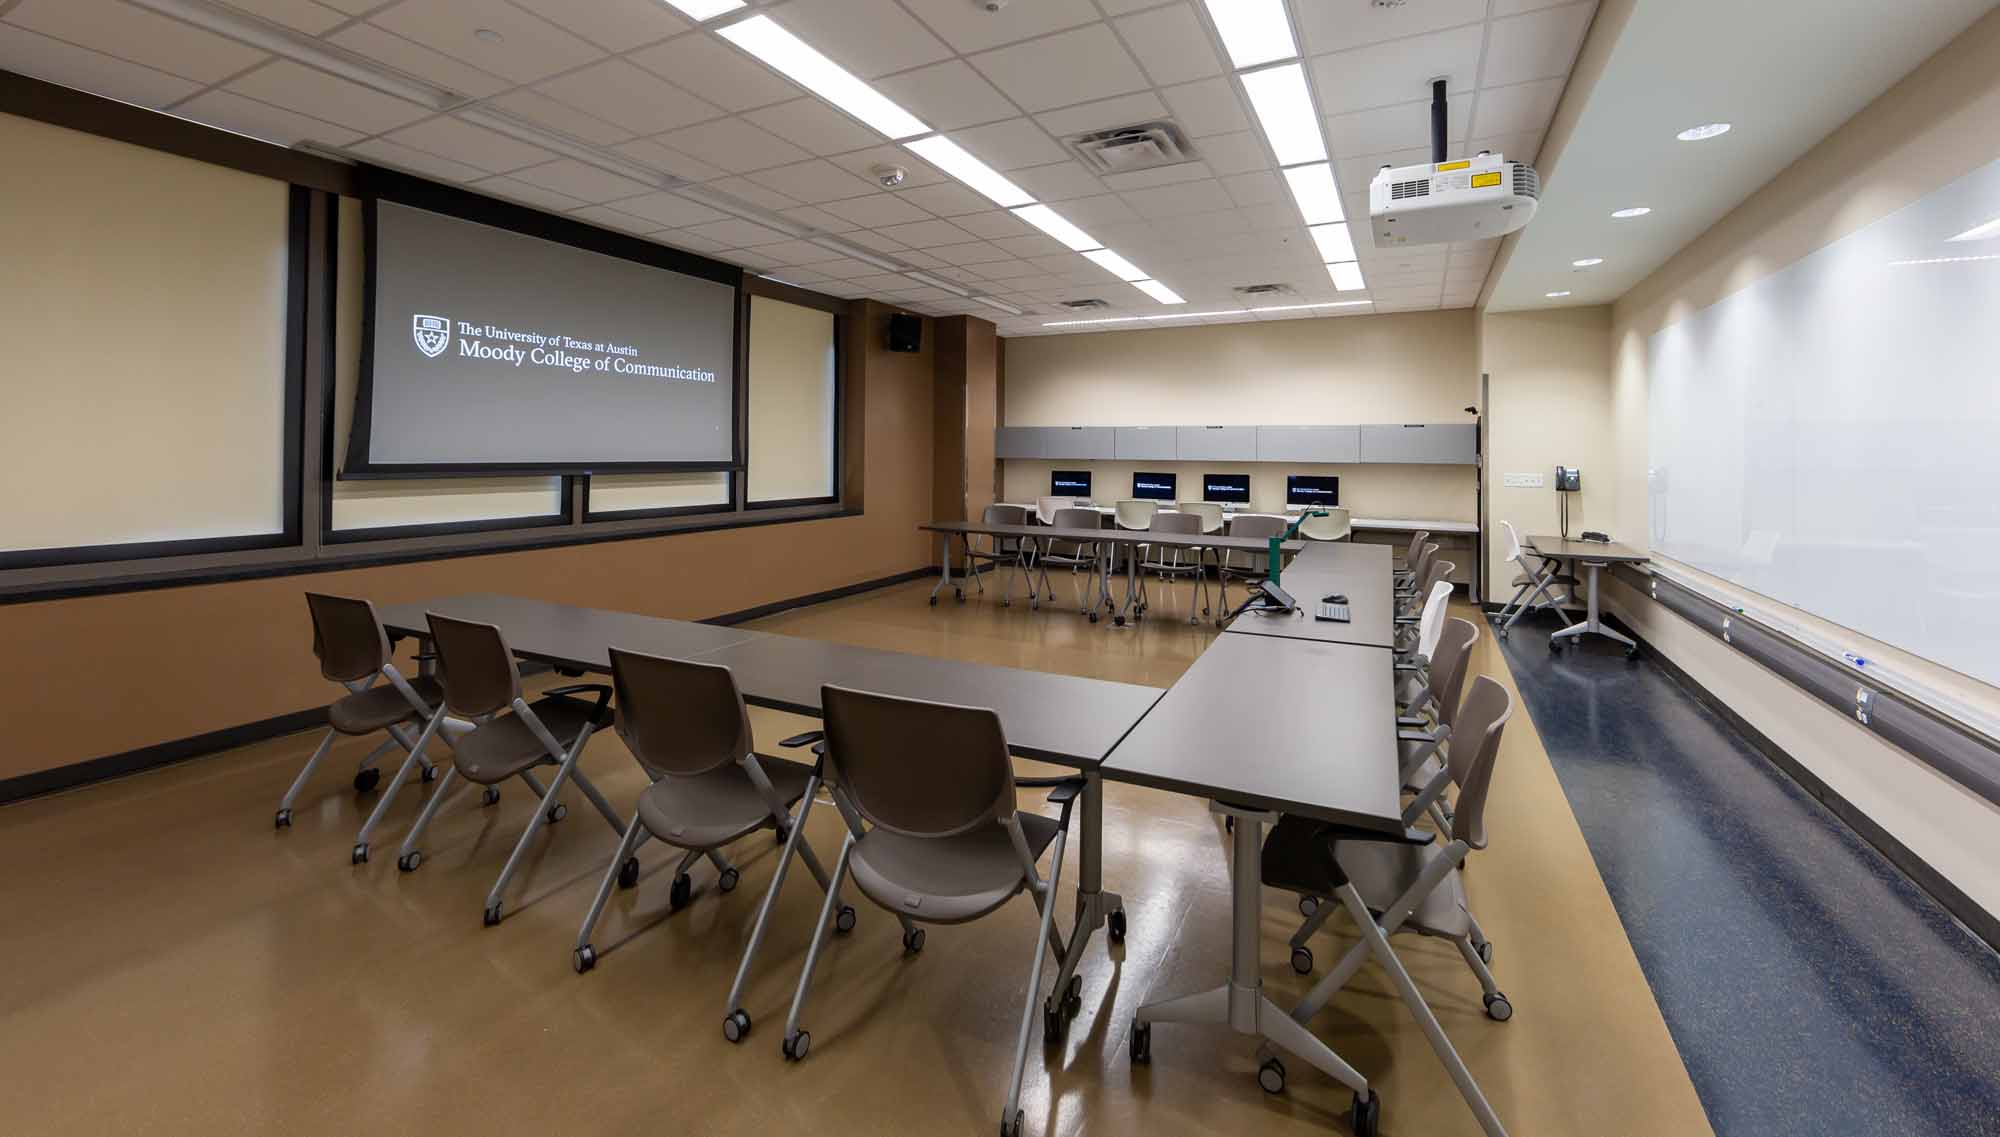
(1523, 481)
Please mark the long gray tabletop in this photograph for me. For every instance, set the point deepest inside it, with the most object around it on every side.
(1115, 536)
(1360, 572)
(1058, 718)
(1291, 725)
(1607, 552)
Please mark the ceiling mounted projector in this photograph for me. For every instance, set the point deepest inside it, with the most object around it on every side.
(1435, 203)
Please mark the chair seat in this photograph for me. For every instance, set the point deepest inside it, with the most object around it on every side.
(381, 706)
(716, 808)
(497, 750)
(1427, 770)
(947, 880)
(1521, 578)
(1382, 871)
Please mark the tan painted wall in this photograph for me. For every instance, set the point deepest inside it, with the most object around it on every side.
(791, 401)
(1939, 123)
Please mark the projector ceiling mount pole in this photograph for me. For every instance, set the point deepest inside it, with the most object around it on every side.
(1438, 120)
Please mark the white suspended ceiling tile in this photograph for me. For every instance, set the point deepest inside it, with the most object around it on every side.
(1535, 46)
(877, 210)
(649, 152)
(1009, 269)
(969, 27)
(816, 218)
(1058, 181)
(947, 95)
(1398, 71)
(138, 36)
(1256, 188)
(792, 252)
(1353, 173)
(1209, 106)
(1516, 7)
(716, 71)
(513, 189)
(926, 234)
(529, 48)
(1187, 197)
(614, 25)
(307, 16)
(814, 181)
(558, 116)
(630, 96)
(394, 154)
(1332, 25)
(1034, 245)
(587, 183)
(691, 241)
(1159, 176)
(1104, 209)
(1105, 114)
(299, 88)
(54, 61)
(262, 120)
(475, 146)
(868, 37)
(733, 145)
(1520, 109)
(737, 233)
(1010, 145)
(417, 61)
(993, 223)
(1405, 126)
(747, 192)
(1070, 67)
(1513, 147)
(669, 210)
(1236, 153)
(1170, 44)
(970, 253)
(946, 199)
(814, 126)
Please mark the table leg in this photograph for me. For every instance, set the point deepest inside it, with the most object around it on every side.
(1095, 908)
(944, 566)
(1592, 622)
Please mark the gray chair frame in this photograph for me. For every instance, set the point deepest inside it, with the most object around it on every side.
(1168, 561)
(1011, 553)
(1075, 517)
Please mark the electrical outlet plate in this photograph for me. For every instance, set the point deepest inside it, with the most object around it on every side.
(1525, 481)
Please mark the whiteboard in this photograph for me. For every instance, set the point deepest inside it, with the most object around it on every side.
(1829, 436)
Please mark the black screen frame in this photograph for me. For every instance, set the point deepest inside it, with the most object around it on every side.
(1208, 494)
(375, 185)
(1173, 478)
(1291, 479)
(1057, 491)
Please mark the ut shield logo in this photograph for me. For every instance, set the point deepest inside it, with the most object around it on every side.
(432, 333)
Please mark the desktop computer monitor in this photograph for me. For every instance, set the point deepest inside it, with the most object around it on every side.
(1312, 489)
(1154, 487)
(1070, 483)
(1230, 489)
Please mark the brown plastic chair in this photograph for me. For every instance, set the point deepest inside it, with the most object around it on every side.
(942, 842)
(354, 652)
(1073, 555)
(509, 738)
(1407, 569)
(1247, 567)
(1176, 560)
(1010, 553)
(686, 724)
(1411, 583)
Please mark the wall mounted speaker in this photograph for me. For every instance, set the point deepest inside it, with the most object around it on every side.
(906, 332)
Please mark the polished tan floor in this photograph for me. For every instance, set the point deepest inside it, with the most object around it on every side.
(170, 964)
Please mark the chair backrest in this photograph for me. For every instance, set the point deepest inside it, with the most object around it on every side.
(1335, 525)
(1430, 623)
(347, 638)
(1209, 512)
(477, 669)
(1136, 513)
(1182, 522)
(1257, 525)
(1046, 508)
(1421, 566)
(677, 716)
(1449, 657)
(1417, 541)
(1438, 571)
(1078, 517)
(1475, 744)
(998, 514)
(914, 767)
(1510, 543)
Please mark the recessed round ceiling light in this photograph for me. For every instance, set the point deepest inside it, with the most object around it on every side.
(1556, 295)
(1587, 262)
(1706, 130)
(1634, 211)
(487, 35)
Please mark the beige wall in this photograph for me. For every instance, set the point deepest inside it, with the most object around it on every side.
(1411, 367)
(1548, 404)
(791, 380)
(1939, 123)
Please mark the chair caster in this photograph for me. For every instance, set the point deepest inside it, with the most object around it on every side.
(430, 773)
(933, 601)
(843, 920)
(1485, 950)
(781, 836)
(1117, 621)
(736, 1025)
(1013, 1128)
(491, 915)
(283, 820)
(558, 812)
(1555, 647)
(584, 959)
(1073, 998)
(1053, 1021)
(360, 855)
(491, 796)
(1498, 1008)
(727, 881)
(628, 873)
(796, 1045)
(681, 893)
(1271, 1076)
(1302, 960)
(1631, 653)
(365, 780)
(913, 940)
(409, 861)
(1093, 617)
(1141, 1043)
(1365, 1116)
(1308, 906)
(1115, 926)
(960, 593)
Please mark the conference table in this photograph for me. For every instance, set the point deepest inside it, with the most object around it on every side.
(1362, 573)
(1593, 557)
(1105, 541)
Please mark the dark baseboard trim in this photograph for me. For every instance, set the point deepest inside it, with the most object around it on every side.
(1970, 915)
(152, 757)
(778, 606)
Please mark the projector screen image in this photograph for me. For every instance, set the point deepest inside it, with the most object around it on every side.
(1312, 489)
(1231, 488)
(1069, 483)
(494, 351)
(1153, 487)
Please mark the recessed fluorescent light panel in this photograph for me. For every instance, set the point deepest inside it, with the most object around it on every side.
(941, 285)
(1635, 211)
(1116, 265)
(1556, 295)
(1346, 277)
(1587, 262)
(1055, 225)
(1158, 291)
(1334, 241)
(1985, 232)
(699, 10)
(1707, 130)
(950, 157)
(1285, 110)
(1314, 190)
(1200, 315)
(798, 61)
(1253, 31)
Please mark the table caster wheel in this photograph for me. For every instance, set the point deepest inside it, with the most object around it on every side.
(1365, 1116)
(1498, 1008)
(492, 915)
(1271, 1076)
(960, 593)
(933, 601)
(1115, 926)
(558, 812)
(1093, 617)
(1142, 1043)
(360, 855)
(430, 773)
(1073, 1000)
(584, 959)
(628, 873)
(681, 893)
(1486, 953)
(284, 819)
(796, 1045)
(736, 1025)
(843, 920)
(365, 780)
(1555, 647)
(409, 861)
(727, 881)
(1052, 1021)
(913, 940)
(1302, 960)
(1117, 621)
(491, 796)
(1308, 906)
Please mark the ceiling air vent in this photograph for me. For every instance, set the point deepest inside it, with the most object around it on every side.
(1129, 148)
(1260, 291)
(1082, 305)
